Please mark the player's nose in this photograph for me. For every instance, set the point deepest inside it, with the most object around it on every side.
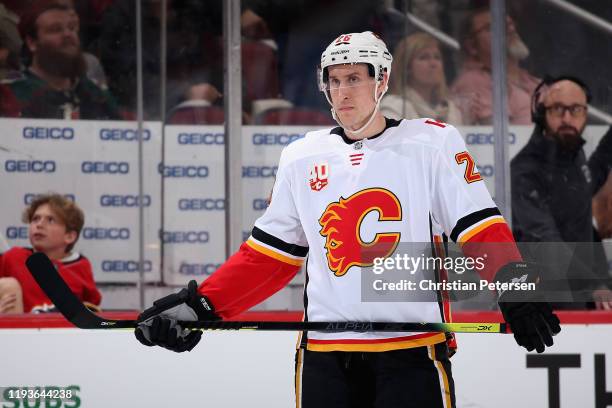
(344, 92)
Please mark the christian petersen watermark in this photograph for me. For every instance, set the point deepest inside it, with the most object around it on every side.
(416, 272)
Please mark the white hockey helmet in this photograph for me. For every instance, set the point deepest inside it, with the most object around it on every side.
(356, 48)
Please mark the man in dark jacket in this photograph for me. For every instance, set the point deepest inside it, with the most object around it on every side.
(552, 187)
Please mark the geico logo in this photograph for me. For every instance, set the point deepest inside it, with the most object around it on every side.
(486, 138)
(201, 138)
(275, 138)
(99, 167)
(108, 200)
(198, 204)
(106, 233)
(259, 171)
(120, 265)
(30, 166)
(17, 232)
(260, 204)
(183, 171)
(53, 133)
(197, 269)
(29, 197)
(185, 237)
(124, 134)
(486, 171)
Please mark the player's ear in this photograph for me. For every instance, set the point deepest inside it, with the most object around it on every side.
(70, 237)
(383, 84)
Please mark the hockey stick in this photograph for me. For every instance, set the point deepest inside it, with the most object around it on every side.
(48, 278)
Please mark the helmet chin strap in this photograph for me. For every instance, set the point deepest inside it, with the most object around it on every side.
(372, 115)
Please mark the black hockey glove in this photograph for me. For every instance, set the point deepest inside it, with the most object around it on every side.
(157, 326)
(531, 319)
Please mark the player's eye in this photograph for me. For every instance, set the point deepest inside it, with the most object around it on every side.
(353, 80)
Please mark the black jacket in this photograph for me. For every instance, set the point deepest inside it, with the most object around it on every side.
(551, 205)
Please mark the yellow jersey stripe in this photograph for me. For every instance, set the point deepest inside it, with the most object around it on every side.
(386, 346)
(445, 388)
(480, 227)
(298, 378)
(273, 254)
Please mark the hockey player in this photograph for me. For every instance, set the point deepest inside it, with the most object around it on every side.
(342, 195)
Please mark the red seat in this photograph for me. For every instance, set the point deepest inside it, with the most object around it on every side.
(294, 116)
(196, 115)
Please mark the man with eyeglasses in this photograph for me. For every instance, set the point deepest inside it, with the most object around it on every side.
(552, 186)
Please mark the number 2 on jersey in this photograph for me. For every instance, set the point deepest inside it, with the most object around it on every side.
(471, 175)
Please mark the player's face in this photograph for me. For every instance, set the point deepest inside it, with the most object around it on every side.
(351, 90)
(426, 67)
(48, 233)
(566, 113)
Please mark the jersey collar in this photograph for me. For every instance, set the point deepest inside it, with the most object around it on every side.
(389, 123)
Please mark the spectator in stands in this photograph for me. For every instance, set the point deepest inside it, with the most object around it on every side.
(602, 208)
(562, 42)
(193, 54)
(10, 45)
(11, 298)
(473, 88)
(419, 87)
(94, 70)
(9, 107)
(552, 187)
(54, 84)
(300, 27)
(54, 227)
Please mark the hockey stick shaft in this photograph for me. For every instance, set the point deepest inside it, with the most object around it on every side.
(50, 281)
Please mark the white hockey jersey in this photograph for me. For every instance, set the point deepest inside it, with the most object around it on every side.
(334, 198)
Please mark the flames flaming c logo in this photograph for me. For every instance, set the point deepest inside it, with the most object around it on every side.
(341, 225)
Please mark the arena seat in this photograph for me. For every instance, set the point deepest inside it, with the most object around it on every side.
(194, 113)
(294, 116)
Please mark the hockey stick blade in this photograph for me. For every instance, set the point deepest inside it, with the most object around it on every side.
(48, 278)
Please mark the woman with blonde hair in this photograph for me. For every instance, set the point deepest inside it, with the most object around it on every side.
(419, 91)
